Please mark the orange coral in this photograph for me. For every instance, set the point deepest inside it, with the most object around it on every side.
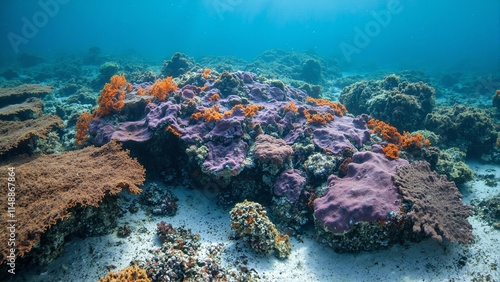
(214, 98)
(214, 114)
(391, 151)
(162, 88)
(248, 110)
(337, 107)
(414, 141)
(206, 73)
(128, 274)
(388, 132)
(251, 110)
(174, 131)
(210, 114)
(397, 140)
(291, 107)
(82, 125)
(112, 95)
(315, 117)
(140, 91)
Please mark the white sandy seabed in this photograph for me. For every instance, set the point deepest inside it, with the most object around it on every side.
(309, 260)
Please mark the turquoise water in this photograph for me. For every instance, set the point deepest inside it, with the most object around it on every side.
(402, 34)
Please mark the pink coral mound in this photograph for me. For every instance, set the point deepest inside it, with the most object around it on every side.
(367, 193)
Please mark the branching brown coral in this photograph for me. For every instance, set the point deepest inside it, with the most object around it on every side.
(30, 108)
(271, 150)
(17, 94)
(437, 207)
(15, 132)
(48, 186)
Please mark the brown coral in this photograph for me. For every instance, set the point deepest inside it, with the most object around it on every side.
(271, 150)
(128, 274)
(30, 108)
(20, 93)
(47, 186)
(437, 209)
(15, 132)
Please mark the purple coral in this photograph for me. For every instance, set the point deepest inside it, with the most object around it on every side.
(343, 133)
(289, 183)
(366, 193)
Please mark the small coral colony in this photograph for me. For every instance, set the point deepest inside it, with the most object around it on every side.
(375, 166)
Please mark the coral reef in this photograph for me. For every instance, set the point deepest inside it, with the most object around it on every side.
(180, 257)
(82, 125)
(250, 222)
(400, 103)
(436, 207)
(112, 95)
(495, 100)
(408, 141)
(131, 273)
(52, 184)
(161, 88)
(366, 194)
(15, 133)
(177, 65)
(320, 165)
(289, 184)
(293, 66)
(470, 129)
(272, 151)
(30, 108)
(18, 94)
(451, 162)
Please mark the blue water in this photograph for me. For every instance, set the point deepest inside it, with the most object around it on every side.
(428, 35)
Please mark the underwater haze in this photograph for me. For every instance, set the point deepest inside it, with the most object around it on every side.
(360, 33)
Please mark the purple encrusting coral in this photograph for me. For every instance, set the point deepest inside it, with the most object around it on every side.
(224, 138)
(367, 193)
(289, 184)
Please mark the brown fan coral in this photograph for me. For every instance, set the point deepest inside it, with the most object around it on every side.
(15, 132)
(437, 209)
(47, 186)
